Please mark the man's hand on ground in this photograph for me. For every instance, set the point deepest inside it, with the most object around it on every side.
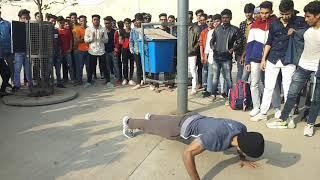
(250, 164)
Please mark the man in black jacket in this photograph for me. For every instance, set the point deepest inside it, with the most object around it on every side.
(225, 40)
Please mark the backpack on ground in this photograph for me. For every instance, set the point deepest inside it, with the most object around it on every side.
(240, 96)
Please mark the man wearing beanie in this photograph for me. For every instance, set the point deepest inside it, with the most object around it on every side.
(213, 134)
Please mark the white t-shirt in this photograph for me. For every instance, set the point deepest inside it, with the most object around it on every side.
(311, 54)
(208, 49)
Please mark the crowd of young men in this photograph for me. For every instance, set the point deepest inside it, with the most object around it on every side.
(263, 46)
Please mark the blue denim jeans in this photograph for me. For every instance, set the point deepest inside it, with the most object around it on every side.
(57, 64)
(112, 58)
(210, 78)
(204, 74)
(82, 58)
(67, 58)
(20, 60)
(225, 65)
(299, 80)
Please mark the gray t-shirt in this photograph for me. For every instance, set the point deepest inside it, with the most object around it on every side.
(214, 134)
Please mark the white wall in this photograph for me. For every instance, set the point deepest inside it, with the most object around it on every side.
(120, 9)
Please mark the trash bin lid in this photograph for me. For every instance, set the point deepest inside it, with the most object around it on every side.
(156, 34)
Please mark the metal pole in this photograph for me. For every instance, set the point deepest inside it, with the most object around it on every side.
(182, 67)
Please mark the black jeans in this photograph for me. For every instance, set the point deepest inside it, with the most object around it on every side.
(299, 80)
(5, 74)
(93, 64)
(127, 58)
(137, 60)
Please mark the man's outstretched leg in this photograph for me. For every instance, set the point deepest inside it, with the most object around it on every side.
(161, 125)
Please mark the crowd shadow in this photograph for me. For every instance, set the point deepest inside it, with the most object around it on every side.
(272, 153)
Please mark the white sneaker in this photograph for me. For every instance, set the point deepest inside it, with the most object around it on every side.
(136, 87)
(308, 130)
(259, 117)
(193, 92)
(132, 83)
(152, 87)
(277, 113)
(291, 124)
(124, 82)
(254, 112)
(277, 124)
(125, 127)
(147, 116)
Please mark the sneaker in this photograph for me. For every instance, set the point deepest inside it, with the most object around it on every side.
(277, 113)
(124, 82)
(277, 124)
(60, 86)
(109, 85)
(206, 94)
(132, 83)
(147, 116)
(214, 97)
(254, 112)
(5, 93)
(152, 87)
(126, 131)
(259, 117)
(308, 130)
(291, 124)
(193, 92)
(136, 87)
(87, 85)
(15, 89)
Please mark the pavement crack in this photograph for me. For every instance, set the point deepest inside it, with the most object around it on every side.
(144, 159)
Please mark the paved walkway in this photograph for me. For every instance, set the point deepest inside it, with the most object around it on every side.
(82, 139)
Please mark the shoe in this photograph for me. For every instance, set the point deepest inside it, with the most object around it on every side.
(147, 116)
(141, 83)
(206, 94)
(126, 131)
(193, 92)
(259, 117)
(277, 124)
(124, 82)
(87, 85)
(102, 77)
(5, 94)
(157, 90)
(224, 96)
(132, 83)
(152, 87)
(60, 86)
(308, 130)
(136, 87)
(277, 113)
(15, 89)
(214, 97)
(254, 112)
(109, 85)
(291, 124)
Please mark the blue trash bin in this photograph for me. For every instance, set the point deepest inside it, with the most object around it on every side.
(158, 55)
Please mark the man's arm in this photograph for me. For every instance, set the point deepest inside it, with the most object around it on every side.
(264, 57)
(188, 155)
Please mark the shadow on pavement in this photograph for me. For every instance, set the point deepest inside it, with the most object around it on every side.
(272, 154)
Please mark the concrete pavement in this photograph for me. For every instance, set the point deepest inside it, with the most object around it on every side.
(82, 139)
